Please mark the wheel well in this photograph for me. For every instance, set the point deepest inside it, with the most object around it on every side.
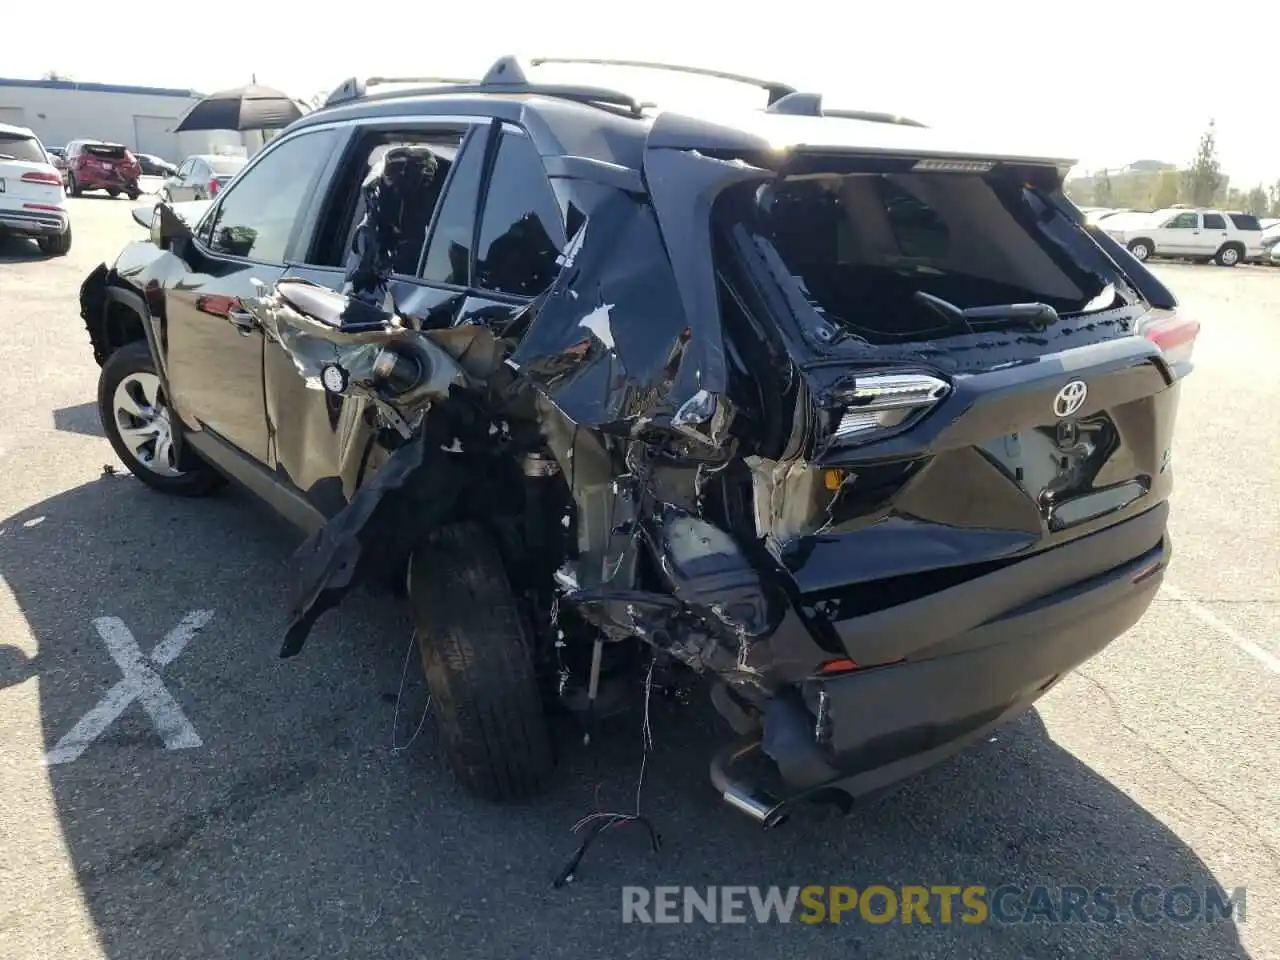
(1232, 243)
(119, 324)
(1144, 241)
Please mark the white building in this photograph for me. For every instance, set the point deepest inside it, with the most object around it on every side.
(141, 118)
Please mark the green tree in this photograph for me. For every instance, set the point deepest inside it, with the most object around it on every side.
(1103, 195)
(1275, 199)
(1165, 194)
(1203, 178)
(1256, 201)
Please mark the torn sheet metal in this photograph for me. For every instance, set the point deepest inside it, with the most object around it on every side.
(612, 343)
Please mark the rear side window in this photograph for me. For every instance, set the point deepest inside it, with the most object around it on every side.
(25, 149)
(521, 233)
(1243, 221)
(1214, 221)
(257, 214)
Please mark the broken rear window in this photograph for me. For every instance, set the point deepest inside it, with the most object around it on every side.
(18, 147)
(860, 247)
(108, 151)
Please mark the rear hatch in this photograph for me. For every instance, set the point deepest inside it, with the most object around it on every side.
(224, 171)
(976, 377)
(110, 161)
(27, 179)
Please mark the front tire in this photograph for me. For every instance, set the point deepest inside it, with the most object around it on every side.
(1141, 250)
(58, 246)
(136, 417)
(112, 192)
(73, 186)
(478, 660)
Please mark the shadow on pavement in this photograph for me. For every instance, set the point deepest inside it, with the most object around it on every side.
(82, 418)
(20, 250)
(296, 829)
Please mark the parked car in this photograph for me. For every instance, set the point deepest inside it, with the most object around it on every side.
(58, 157)
(1228, 238)
(153, 166)
(200, 177)
(32, 203)
(1270, 243)
(95, 165)
(844, 420)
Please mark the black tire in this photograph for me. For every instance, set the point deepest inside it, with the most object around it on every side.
(112, 192)
(1230, 255)
(197, 478)
(73, 188)
(134, 194)
(479, 666)
(1142, 249)
(58, 246)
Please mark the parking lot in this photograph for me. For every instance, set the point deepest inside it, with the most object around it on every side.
(171, 789)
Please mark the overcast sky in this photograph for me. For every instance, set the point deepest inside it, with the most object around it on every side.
(1107, 82)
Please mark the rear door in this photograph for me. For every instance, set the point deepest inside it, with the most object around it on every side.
(214, 348)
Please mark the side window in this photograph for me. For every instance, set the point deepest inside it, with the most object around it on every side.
(257, 214)
(411, 211)
(449, 255)
(1215, 221)
(521, 233)
(1184, 221)
(1243, 221)
(185, 169)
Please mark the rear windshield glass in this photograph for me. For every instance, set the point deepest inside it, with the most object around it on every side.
(227, 166)
(861, 247)
(26, 149)
(1245, 221)
(105, 150)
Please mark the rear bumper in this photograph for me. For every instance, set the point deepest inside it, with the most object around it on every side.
(974, 656)
(103, 180)
(33, 223)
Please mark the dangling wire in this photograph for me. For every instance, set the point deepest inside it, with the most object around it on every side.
(426, 708)
(597, 823)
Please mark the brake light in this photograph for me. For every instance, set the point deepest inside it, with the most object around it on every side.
(52, 208)
(1175, 335)
(884, 401)
(40, 176)
(213, 187)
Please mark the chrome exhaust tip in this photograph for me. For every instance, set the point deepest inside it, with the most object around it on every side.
(756, 803)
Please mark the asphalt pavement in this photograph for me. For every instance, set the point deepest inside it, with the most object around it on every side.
(171, 789)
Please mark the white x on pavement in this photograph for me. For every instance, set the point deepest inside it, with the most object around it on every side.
(141, 682)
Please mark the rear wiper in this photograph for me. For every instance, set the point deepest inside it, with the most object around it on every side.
(1033, 316)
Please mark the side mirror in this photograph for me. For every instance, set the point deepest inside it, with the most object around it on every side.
(143, 216)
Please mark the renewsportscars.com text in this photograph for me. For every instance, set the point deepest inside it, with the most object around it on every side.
(937, 904)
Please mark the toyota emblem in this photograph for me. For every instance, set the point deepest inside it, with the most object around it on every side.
(1070, 398)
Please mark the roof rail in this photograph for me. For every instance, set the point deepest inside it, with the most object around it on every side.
(810, 105)
(777, 91)
(354, 88)
(507, 75)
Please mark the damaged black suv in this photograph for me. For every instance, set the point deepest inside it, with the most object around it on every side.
(860, 424)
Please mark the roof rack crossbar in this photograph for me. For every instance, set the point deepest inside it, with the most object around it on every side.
(776, 90)
(810, 105)
(505, 76)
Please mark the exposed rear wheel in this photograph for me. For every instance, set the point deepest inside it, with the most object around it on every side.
(136, 417)
(478, 661)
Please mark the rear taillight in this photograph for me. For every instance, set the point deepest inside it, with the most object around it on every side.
(885, 401)
(213, 187)
(1174, 334)
(40, 176)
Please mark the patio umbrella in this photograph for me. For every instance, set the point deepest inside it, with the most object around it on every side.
(250, 107)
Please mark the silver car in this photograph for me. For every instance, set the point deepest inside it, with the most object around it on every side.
(200, 177)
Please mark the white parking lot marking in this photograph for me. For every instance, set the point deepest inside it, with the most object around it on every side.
(141, 682)
(1205, 616)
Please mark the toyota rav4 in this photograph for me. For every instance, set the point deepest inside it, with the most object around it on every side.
(859, 424)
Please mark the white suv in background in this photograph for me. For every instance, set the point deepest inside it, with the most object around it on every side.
(32, 202)
(1224, 237)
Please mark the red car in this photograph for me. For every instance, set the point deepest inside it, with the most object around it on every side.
(94, 165)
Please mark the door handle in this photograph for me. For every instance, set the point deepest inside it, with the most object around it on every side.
(242, 320)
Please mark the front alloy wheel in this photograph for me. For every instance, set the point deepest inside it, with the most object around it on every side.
(142, 420)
